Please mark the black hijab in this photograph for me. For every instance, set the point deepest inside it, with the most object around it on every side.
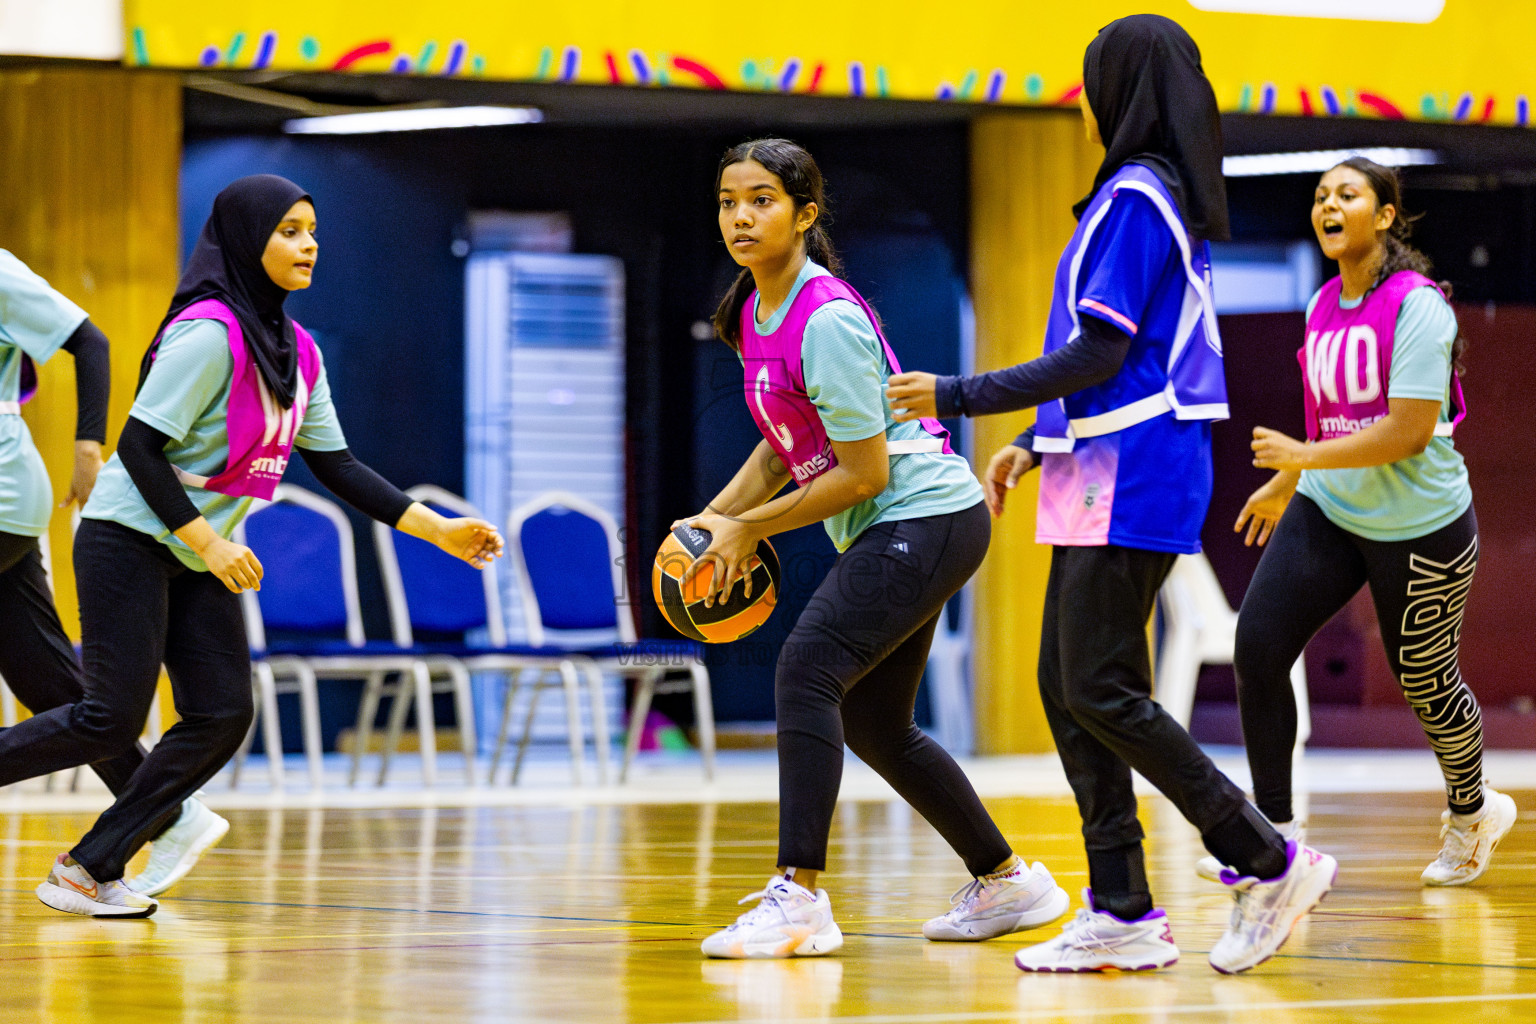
(1155, 106)
(226, 265)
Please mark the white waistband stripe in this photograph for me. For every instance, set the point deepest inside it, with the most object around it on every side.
(916, 447)
(1125, 416)
(10, 408)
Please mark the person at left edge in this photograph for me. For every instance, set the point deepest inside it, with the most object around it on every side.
(228, 388)
(37, 660)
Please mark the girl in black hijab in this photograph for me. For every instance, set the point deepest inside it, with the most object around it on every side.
(228, 388)
(1127, 389)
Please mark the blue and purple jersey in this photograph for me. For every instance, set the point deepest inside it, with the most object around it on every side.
(1128, 461)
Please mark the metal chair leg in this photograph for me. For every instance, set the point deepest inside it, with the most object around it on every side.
(599, 704)
(464, 710)
(513, 678)
(271, 727)
(645, 690)
(704, 717)
(397, 711)
(426, 723)
(373, 688)
(522, 743)
(573, 723)
(309, 713)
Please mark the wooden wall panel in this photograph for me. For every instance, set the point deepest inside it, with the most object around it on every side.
(1026, 172)
(91, 158)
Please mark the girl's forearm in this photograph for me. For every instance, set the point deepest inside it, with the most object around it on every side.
(836, 490)
(1386, 441)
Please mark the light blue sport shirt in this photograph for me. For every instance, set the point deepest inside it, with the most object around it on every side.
(186, 397)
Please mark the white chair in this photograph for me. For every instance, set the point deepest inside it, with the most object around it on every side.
(432, 590)
(1200, 628)
(573, 603)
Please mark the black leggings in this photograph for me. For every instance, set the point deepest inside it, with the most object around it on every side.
(1310, 569)
(37, 660)
(139, 608)
(849, 672)
(1096, 683)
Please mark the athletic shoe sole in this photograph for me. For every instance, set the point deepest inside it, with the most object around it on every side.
(200, 845)
(1240, 968)
(828, 940)
(69, 902)
(1126, 965)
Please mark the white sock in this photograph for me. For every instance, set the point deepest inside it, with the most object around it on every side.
(1468, 820)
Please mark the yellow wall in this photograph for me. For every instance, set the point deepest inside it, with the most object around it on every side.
(1026, 172)
(91, 159)
(1424, 59)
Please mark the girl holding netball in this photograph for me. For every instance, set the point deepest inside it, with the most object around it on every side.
(228, 388)
(1127, 389)
(1377, 495)
(37, 660)
(910, 527)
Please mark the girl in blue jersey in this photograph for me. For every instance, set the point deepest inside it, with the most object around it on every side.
(906, 517)
(1381, 498)
(37, 661)
(1129, 383)
(159, 578)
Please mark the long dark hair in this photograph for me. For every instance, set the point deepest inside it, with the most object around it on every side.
(1398, 254)
(797, 172)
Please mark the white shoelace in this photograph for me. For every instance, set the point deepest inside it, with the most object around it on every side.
(1080, 934)
(1459, 843)
(771, 901)
(966, 896)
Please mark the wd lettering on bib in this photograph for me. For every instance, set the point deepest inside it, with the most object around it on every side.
(1346, 362)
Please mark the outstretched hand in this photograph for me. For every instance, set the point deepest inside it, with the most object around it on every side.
(1274, 450)
(471, 540)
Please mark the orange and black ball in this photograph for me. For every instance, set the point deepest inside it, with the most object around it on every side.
(684, 607)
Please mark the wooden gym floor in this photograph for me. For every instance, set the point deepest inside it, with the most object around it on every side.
(595, 913)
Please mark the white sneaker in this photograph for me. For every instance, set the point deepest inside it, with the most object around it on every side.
(1469, 848)
(1264, 913)
(1096, 940)
(789, 920)
(175, 852)
(71, 888)
(1022, 898)
(1210, 869)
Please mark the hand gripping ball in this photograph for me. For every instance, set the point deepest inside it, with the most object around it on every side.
(684, 608)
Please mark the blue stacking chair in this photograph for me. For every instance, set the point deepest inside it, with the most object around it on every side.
(432, 592)
(570, 570)
(309, 593)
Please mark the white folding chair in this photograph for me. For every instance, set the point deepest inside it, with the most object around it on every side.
(1200, 628)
